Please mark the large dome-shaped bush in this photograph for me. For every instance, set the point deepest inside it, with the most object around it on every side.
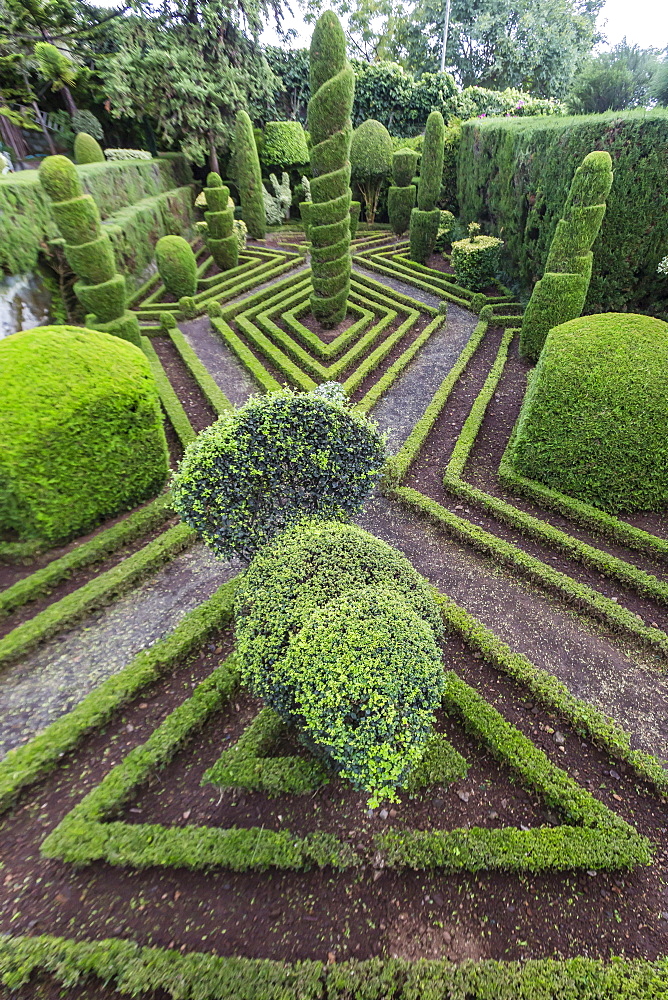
(594, 423)
(81, 431)
(281, 458)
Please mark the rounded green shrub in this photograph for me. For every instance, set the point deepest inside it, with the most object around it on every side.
(404, 166)
(476, 261)
(284, 145)
(400, 204)
(82, 432)
(355, 209)
(365, 678)
(220, 236)
(594, 422)
(423, 233)
(278, 459)
(87, 149)
(370, 162)
(59, 178)
(249, 177)
(177, 265)
(329, 109)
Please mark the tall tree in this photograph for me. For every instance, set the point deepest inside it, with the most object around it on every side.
(612, 81)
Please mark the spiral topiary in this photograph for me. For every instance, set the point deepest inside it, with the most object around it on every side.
(332, 88)
(249, 177)
(401, 194)
(88, 250)
(560, 294)
(220, 238)
(87, 149)
(426, 217)
(177, 266)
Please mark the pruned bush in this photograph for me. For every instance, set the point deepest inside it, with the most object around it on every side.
(85, 121)
(82, 433)
(283, 145)
(177, 265)
(594, 423)
(127, 154)
(277, 460)
(355, 210)
(426, 217)
(249, 177)
(476, 259)
(220, 237)
(87, 149)
(401, 195)
(370, 162)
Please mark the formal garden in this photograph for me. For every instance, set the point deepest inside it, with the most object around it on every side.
(334, 556)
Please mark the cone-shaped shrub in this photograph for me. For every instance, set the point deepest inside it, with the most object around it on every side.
(329, 110)
(88, 251)
(560, 294)
(370, 162)
(87, 149)
(176, 265)
(249, 178)
(220, 237)
(401, 194)
(426, 217)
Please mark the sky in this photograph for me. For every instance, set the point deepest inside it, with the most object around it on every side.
(644, 22)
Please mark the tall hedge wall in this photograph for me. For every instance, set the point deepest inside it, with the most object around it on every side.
(514, 175)
(25, 211)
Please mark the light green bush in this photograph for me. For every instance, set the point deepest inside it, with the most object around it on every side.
(283, 145)
(177, 265)
(426, 217)
(476, 259)
(371, 162)
(249, 177)
(87, 149)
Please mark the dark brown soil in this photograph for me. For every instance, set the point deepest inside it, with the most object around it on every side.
(192, 399)
(360, 913)
(327, 334)
(78, 579)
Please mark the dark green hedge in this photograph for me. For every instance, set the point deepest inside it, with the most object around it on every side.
(514, 175)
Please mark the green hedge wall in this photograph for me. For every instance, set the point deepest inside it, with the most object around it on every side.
(26, 212)
(514, 175)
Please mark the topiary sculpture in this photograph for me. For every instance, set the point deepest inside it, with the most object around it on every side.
(277, 460)
(87, 149)
(329, 109)
(560, 294)
(277, 206)
(249, 177)
(177, 265)
(426, 217)
(355, 210)
(594, 423)
(401, 195)
(336, 632)
(220, 238)
(82, 431)
(283, 145)
(370, 162)
(88, 250)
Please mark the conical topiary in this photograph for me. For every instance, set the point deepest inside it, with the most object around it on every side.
(87, 149)
(220, 238)
(401, 194)
(177, 265)
(88, 250)
(249, 178)
(560, 294)
(426, 217)
(329, 110)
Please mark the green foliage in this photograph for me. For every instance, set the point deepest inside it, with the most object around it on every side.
(404, 166)
(614, 80)
(277, 206)
(55, 66)
(516, 174)
(284, 145)
(329, 109)
(364, 677)
(355, 211)
(75, 401)
(249, 177)
(431, 164)
(476, 261)
(592, 424)
(87, 149)
(85, 121)
(220, 236)
(278, 459)
(177, 265)
(659, 84)
(423, 233)
(400, 204)
(448, 230)
(127, 154)
(371, 162)
(560, 295)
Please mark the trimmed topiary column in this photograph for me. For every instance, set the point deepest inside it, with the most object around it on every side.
(560, 294)
(177, 265)
(284, 145)
(371, 162)
(220, 237)
(329, 110)
(401, 195)
(87, 149)
(88, 250)
(249, 178)
(355, 209)
(426, 217)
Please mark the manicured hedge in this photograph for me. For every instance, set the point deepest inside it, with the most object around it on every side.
(81, 428)
(514, 174)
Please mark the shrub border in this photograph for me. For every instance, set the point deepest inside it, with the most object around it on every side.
(211, 391)
(170, 401)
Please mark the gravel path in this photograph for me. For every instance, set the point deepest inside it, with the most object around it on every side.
(222, 364)
(403, 404)
(53, 679)
(400, 286)
(532, 623)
